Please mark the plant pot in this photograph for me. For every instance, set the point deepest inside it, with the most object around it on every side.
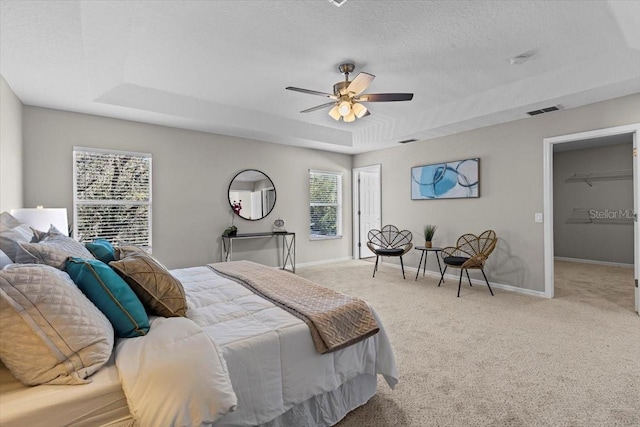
(427, 244)
(231, 231)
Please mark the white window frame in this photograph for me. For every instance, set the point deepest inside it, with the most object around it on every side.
(147, 202)
(338, 205)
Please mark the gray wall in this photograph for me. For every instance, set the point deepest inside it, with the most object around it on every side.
(191, 175)
(510, 186)
(600, 240)
(10, 148)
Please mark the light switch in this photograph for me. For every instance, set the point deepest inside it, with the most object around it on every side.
(538, 217)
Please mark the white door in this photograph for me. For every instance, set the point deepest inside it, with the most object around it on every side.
(368, 207)
(636, 204)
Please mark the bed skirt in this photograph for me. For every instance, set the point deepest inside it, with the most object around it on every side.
(329, 408)
(320, 411)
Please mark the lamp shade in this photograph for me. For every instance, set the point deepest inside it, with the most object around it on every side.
(359, 110)
(349, 118)
(335, 113)
(43, 218)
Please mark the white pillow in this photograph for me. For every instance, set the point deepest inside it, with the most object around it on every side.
(56, 335)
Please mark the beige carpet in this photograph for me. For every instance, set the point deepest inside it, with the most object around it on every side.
(508, 360)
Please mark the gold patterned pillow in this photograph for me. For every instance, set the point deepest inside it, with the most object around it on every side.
(124, 251)
(160, 292)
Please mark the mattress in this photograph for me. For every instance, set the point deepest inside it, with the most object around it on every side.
(102, 402)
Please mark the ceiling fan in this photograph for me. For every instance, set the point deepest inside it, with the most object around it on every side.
(347, 96)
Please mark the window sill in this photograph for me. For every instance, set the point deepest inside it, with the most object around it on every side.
(325, 237)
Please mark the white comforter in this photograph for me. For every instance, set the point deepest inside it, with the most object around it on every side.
(270, 356)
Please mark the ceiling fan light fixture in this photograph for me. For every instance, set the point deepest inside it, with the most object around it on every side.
(349, 118)
(344, 108)
(347, 95)
(335, 113)
(359, 110)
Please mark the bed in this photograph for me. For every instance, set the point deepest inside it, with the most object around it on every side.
(276, 374)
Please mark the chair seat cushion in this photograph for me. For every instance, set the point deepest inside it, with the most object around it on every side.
(455, 260)
(390, 251)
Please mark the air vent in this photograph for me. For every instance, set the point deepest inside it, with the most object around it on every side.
(337, 2)
(406, 141)
(544, 110)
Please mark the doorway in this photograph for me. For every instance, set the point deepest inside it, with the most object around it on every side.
(633, 131)
(366, 207)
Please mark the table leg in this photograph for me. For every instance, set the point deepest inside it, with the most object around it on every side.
(424, 267)
(227, 248)
(440, 268)
(290, 256)
(419, 264)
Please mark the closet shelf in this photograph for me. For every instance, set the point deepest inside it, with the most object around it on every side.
(601, 176)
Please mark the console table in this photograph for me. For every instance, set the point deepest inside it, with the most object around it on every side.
(288, 246)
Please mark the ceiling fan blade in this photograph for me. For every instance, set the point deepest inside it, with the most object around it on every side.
(318, 107)
(311, 92)
(360, 83)
(384, 97)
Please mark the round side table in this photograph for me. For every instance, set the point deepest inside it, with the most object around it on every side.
(425, 252)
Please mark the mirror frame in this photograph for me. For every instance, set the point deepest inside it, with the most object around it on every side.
(275, 194)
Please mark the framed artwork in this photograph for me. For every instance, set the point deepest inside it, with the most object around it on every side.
(450, 180)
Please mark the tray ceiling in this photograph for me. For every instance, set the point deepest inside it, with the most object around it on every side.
(222, 66)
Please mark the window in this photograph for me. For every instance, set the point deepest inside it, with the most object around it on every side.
(112, 196)
(325, 189)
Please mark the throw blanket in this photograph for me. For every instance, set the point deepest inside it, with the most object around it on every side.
(335, 320)
(175, 375)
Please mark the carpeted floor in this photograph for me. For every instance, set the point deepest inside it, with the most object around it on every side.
(508, 360)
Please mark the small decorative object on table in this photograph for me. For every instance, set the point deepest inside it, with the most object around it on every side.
(429, 231)
(278, 226)
(233, 230)
(230, 231)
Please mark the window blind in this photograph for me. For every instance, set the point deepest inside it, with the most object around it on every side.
(325, 191)
(112, 196)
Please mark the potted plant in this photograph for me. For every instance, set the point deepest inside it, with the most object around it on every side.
(429, 231)
(230, 231)
(236, 208)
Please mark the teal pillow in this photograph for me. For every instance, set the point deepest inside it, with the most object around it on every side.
(102, 249)
(111, 294)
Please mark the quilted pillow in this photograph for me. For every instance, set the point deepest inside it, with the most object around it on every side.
(53, 250)
(10, 237)
(102, 250)
(4, 259)
(8, 221)
(51, 332)
(160, 292)
(111, 295)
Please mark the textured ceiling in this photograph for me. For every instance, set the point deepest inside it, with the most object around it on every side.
(222, 66)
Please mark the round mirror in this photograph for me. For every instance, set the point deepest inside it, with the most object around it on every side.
(252, 194)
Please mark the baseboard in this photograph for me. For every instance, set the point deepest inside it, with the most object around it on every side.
(324, 261)
(475, 282)
(591, 261)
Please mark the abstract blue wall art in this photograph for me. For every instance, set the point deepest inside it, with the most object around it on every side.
(451, 180)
